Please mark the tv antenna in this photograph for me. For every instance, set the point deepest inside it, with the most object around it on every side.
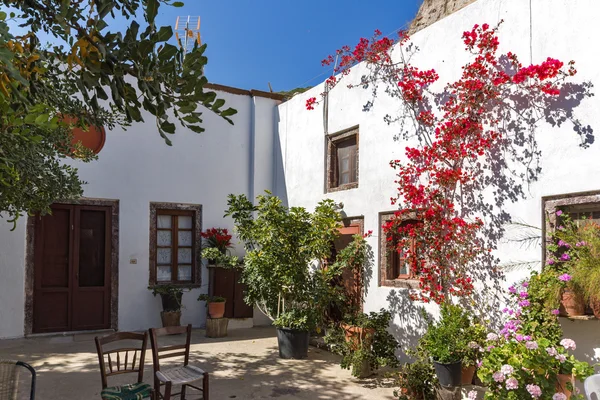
(187, 33)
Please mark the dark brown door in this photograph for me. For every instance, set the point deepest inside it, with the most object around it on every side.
(72, 269)
(227, 284)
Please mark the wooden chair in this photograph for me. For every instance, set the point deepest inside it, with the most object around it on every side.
(183, 375)
(9, 379)
(123, 361)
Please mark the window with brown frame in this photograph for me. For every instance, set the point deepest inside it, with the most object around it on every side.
(342, 160)
(396, 266)
(174, 244)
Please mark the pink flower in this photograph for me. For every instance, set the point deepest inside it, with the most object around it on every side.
(519, 337)
(492, 336)
(565, 257)
(564, 244)
(579, 244)
(473, 345)
(512, 383)
(561, 357)
(568, 344)
(512, 289)
(551, 351)
(559, 396)
(524, 303)
(525, 284)
(507, 369)
(558, 213)
(555, 312)
(498, 376)
(550, 261)
(534, 391)
(527, 338)
(531, 345)
(472, 395)
(565, 277)
(523, 294)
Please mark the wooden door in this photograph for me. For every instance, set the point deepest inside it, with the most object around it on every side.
(72, 269)
(227, 284)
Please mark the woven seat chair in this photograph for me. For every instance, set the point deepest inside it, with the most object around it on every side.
(9, 379)
(123, 360)
(183, 375)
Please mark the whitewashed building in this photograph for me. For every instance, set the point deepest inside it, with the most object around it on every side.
(282, 147)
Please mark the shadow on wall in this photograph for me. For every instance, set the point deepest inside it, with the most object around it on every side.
(279, 184)
(409, 321)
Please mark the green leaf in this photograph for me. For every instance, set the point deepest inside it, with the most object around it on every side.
(151, 11)
(168, 127)
(164, 34)
(2, 15)
(177, 4)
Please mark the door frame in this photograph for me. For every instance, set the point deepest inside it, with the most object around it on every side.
(114, 260)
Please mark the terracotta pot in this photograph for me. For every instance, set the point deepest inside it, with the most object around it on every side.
(467, 375)
(595, 306)
(561, 386)
(170, 318)
(216, 310)
(357, 334)
(571, 304)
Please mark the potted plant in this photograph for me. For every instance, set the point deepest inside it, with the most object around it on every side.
(416, 380)
(215, 305)
(171, 297)
(475, 335)
(364, 343)
(447, 343)
(281, 244)
(217, 245)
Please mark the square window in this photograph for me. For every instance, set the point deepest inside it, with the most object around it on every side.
(397, 266)
(342, 160)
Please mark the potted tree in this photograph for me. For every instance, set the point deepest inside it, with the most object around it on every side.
(171, 297)
(445, 341)
(281, 244)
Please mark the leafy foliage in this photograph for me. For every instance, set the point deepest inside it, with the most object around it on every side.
(211, 299)
(95, 76)
(280, 244)
(375, 346)
(416, 380)
(216, 256)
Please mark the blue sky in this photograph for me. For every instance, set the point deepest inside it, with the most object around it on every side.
(283, 42)
(251, 43)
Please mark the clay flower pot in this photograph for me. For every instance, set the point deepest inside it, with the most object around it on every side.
(561, 386)
(595, 306)
(357, 334)
(571, 304)
(170, 318)
(216, 310)
(467, 374)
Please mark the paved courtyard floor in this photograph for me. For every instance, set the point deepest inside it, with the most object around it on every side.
(244, 365)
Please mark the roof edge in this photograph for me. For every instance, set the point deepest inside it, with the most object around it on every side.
(244, 92)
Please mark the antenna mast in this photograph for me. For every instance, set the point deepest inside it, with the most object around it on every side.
(187, 33)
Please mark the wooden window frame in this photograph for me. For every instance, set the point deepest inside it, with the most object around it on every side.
(176, 210)
(409, 280)
(332, 178)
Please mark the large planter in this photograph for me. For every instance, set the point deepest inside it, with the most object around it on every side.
(467, 375)
(571, 304)
(216, 310)
(357, 335)
(561, 386)
(293, 344)
(449, 375)
(170, 318)
(365, 370)
(171, 302)
(595, 306)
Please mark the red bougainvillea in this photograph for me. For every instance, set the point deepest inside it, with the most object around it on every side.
(462, 141)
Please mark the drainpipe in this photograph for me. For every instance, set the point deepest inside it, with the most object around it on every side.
(252, 148)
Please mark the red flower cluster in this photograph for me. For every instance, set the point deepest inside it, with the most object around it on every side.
(433, 227)
(310, 103)
(217, 237)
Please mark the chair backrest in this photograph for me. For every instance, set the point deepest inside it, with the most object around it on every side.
(592, 387)
(9, 379)
(122, 360)
(178, 350)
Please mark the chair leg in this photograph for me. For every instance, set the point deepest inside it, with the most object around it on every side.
(205, 386)
(167, 395)
(183, 388)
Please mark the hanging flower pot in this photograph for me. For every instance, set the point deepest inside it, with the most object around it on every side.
(571, 304)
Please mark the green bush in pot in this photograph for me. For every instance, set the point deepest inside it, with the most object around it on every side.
(281, 245)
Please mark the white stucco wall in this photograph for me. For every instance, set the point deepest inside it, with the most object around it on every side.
(562, 29)
(137, 167)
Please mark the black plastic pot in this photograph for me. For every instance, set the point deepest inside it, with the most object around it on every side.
(449, 375)
(171, 302)
(292, 343)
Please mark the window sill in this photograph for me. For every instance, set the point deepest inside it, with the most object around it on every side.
(340, 188)
(401, 283)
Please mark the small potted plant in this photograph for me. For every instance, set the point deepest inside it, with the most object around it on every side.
(446, 342)
(217, 244)
(364, 343)
(215, 305)
(416, 380)
(475, 335)
(171, 297)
